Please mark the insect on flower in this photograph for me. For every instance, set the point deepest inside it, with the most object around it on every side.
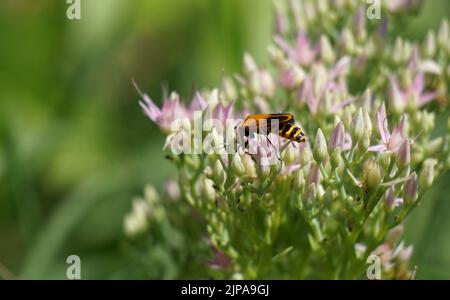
(264, 123)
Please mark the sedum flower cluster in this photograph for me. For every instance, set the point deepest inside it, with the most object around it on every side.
(367, 99)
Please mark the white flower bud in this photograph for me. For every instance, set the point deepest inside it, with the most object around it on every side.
(150, 194)
(136, 221)
(208, 190)
(249, 166)
(357, 129)
(443, 34)
(306, 155)
(348, 41)
(229, 89)
(237, 165)
(267, 84)
(326, 50)
(249, 64)
(427, 174)
(276, 56)
(397, 51)
(289, 154)
(219, 174)
(434, 146)
(372, 174)
(299, 180)
(368, 122)
(429, 46)
(320, 147)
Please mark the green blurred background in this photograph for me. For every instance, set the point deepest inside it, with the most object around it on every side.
(74, 145)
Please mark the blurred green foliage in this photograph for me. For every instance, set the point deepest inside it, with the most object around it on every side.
(75, 146)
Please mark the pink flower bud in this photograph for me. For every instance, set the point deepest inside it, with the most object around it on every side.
(337, 137)
(410, 189)
(404, 154)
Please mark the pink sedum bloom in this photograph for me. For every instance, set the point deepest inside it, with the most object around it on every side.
(302, 53)
(171, 110)
(391, 142)
(312, 96)
(414, 94)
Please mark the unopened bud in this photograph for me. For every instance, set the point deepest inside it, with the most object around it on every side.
(443, 34)
(389, 200)
(337, 137)
(404, 155)
(267, 84)
(395, 97)
(151, 195)
(397, 51)
(299, 180)
(219, 174)
(427, 121)
(394, 235)
(347, 117)
(326, 50)
(407, 51)
(229, 89)
(237, 165)
(310, 196)
(208, 190)
(281, 19)
(410, 189)
(276, 56)
(385, 159)
(249, 64)
(337, 162)
(275, 168)
(322, 6)
(418, 154)
(306, 155)
(365, 142)
(314, 175)
(359, 23)
(320, 147)
(434, 146)
(367, 122)
(348, 41)
(289, 154)
(429, 47)
(357, 129)
(372, 174)
(427, 174)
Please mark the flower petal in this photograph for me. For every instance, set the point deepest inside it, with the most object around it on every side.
(377, 148)
(427, 97)
(382, 123)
